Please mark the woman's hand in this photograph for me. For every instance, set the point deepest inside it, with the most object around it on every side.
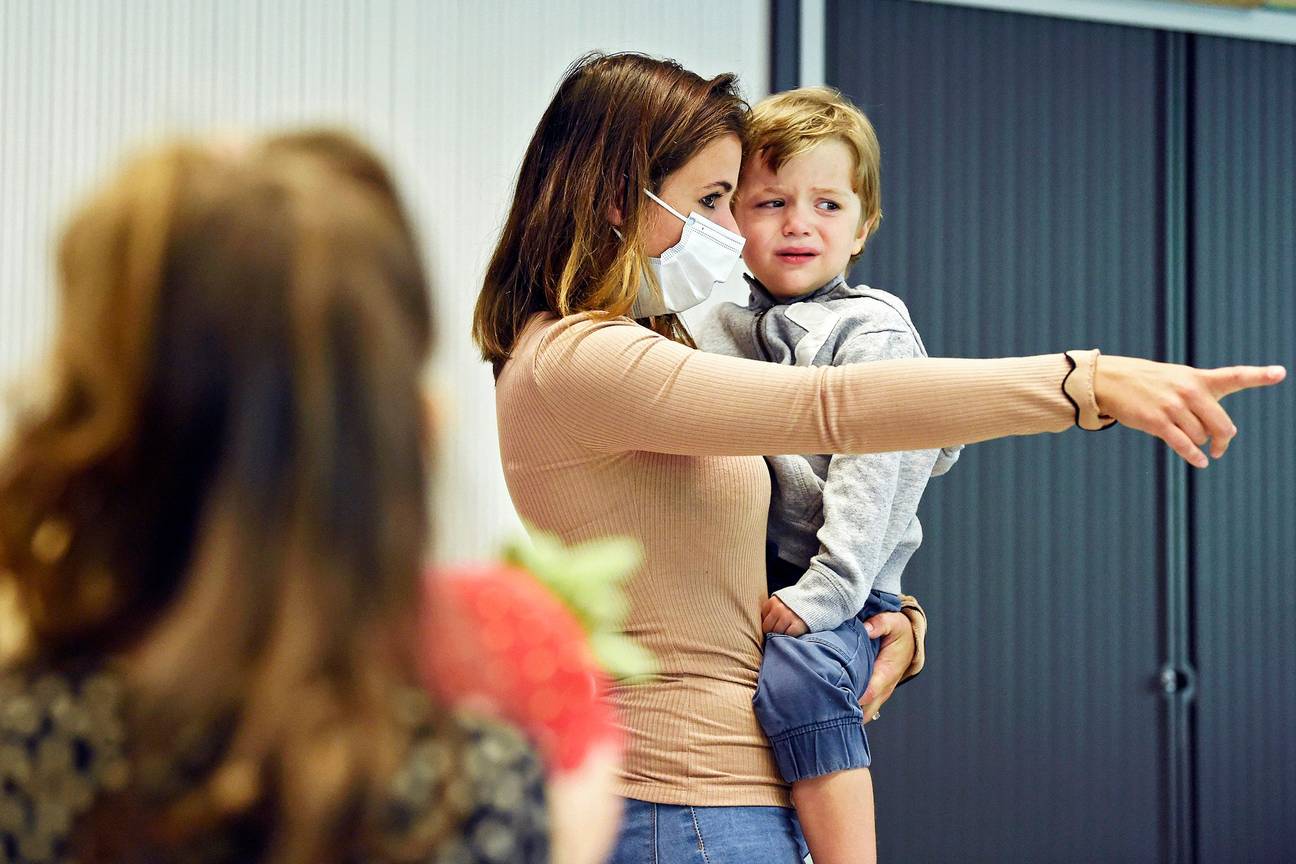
(895, 655)
(1178, 404)
(584, 808)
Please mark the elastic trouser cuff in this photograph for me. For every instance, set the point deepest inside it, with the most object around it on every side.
(821, 748)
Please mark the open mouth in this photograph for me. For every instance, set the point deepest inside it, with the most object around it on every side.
(796, 256)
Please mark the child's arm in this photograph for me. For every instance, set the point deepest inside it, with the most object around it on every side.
(865, 515)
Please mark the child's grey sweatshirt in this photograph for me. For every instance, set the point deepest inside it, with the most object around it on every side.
(850, 522)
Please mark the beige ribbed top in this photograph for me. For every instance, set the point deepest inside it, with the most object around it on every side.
(607, 428)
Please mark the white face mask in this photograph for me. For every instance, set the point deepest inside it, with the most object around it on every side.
(688, 271)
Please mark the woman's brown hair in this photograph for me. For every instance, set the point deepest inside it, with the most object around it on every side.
(618, 123)
(225, 486)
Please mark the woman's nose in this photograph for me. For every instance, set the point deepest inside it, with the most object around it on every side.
(724, 217)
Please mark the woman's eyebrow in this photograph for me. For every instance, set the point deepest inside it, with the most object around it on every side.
(725, 185)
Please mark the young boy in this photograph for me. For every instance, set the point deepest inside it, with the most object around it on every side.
(841, 528)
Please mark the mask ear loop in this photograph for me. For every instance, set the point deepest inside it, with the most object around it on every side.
(672, 210)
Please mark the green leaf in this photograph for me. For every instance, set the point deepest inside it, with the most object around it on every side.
(589, 580)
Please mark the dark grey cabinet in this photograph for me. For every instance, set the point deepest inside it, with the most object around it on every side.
(1243, 290)
(1051, 184)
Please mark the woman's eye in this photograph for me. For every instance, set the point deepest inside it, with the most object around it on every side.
(829, 205)
(709, 201)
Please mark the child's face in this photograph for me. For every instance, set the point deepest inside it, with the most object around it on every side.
(802, 223)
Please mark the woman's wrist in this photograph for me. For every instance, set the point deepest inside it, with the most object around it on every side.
(911, 609)
(1079, 388)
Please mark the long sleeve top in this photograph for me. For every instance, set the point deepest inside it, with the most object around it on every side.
(607, 428)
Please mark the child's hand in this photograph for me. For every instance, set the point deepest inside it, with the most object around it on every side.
(776, 617)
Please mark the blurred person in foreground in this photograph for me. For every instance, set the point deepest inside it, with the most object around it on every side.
(212, 530)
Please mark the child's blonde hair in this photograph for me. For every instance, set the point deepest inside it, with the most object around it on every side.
(790, 123)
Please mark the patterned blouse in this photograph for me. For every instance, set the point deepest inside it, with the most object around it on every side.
(63, 745)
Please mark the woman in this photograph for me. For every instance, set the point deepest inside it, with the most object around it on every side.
(610, 425)
(214, 527)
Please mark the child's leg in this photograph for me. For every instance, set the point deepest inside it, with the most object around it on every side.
(837, 816)
(807, 703)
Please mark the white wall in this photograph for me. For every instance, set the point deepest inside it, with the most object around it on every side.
(449, 91)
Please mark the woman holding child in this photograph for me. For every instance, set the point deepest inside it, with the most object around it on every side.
(612, 423)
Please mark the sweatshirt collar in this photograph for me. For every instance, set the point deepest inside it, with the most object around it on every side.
(761, 299)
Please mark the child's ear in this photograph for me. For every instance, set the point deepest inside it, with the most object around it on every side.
(866, 228)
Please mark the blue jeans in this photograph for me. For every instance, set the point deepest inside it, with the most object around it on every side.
(807, 696)
(671, 834)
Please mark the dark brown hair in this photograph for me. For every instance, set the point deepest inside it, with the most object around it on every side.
(225, 487)
(617, 124)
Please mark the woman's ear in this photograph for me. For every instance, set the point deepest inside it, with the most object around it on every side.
(617, 194)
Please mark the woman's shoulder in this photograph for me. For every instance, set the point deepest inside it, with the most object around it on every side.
(549, 341)
(558, 358)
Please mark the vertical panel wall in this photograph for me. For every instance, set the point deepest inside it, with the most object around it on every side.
(1244, 525)
(449, 91)
(1020, 200)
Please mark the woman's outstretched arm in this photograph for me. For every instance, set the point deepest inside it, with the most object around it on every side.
(617, 386)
